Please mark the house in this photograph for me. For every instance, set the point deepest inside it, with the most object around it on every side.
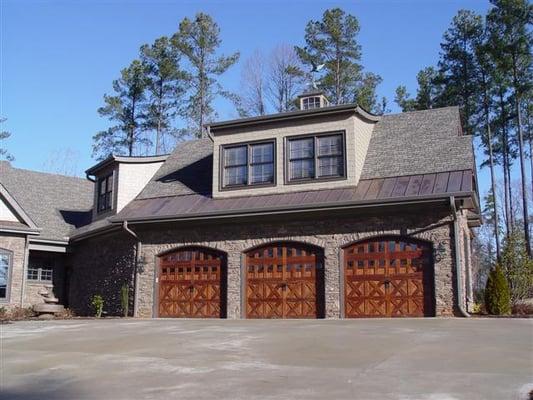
(323, 212)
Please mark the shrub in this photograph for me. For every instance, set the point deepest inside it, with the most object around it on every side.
(517, 267)
(98, 304)
(125, 299)
(497, 295)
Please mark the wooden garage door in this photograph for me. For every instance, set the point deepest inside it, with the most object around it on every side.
(192, 284)
(285, 280)
(388, 277)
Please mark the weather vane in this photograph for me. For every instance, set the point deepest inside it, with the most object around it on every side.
(314, 71)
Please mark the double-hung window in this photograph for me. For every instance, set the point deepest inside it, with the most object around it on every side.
(105, 193)
(316, 157)
(248, 164)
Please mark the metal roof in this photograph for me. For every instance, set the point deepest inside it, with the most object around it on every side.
(396, 189)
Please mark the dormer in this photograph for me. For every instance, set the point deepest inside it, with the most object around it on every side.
(312, 99)
(318, 147)
(118, 180)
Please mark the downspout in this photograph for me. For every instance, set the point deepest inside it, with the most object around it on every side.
(457, 254)
(138, 249)
(24, 270)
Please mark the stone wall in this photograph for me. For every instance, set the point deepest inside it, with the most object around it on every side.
(101, 265)
(329, 233)
(15, 244)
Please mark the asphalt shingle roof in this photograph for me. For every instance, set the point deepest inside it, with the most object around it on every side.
(56, 203)
(418, 142)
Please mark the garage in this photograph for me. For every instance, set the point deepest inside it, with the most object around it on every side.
(285, 280)
(388, 277)
(192, 284)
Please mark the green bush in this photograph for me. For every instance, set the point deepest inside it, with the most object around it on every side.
(125, 299)
(98, 304)
(497, 294)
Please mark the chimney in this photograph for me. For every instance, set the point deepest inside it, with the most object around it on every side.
(312, 99)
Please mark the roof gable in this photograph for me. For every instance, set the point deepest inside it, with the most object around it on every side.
(54, 203)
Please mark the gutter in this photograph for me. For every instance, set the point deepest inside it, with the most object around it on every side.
(345, 205)
(138, 249)
(458, 277)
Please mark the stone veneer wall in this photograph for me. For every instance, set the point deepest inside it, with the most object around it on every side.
(329, 233)
(101, 265)
(16, 245)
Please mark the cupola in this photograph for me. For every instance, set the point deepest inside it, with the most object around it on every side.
(312, 99)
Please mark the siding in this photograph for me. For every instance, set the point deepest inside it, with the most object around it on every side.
(358, 134)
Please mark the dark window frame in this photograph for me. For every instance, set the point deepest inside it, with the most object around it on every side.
(9, 254)
(316, 178)
(221, 173)
(105, 198)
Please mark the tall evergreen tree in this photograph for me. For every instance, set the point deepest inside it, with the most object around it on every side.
(165, 88)
(510, 23)
(333, 42)
(427, 94)
(458, 67)
(127, 109)
(483, 126)
(4, 154)
(198, 40)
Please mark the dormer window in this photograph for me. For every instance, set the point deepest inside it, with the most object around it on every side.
(105, 193)
(248, 164)
(309, 103)
(316, 157)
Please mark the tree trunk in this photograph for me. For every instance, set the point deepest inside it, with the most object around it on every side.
(505, 165)
(159, 116)
(492, 180)
(525, 211)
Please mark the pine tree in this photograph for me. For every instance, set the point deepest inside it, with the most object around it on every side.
(127, 109)
(165, 88)
(4, 154)
(198, 41)
(333, 42)
(458, 67)
(427, 95)
(512, 39)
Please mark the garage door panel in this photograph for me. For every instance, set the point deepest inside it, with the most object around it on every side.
(387, 277)
(192, 284)
(284, 281)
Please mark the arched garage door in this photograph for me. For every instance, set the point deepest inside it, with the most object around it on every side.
(388, 277)
(192, 284)
(285, 280)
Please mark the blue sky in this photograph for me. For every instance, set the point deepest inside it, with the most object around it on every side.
(58, 58)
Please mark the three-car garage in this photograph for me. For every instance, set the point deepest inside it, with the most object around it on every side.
(380, 277)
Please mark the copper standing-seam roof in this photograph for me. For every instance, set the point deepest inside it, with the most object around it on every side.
(401, 188)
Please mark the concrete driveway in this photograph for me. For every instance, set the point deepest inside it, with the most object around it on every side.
(422, 359)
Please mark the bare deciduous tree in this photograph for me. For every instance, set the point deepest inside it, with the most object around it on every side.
(253, 86)
(63, 161)
(285, 77)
